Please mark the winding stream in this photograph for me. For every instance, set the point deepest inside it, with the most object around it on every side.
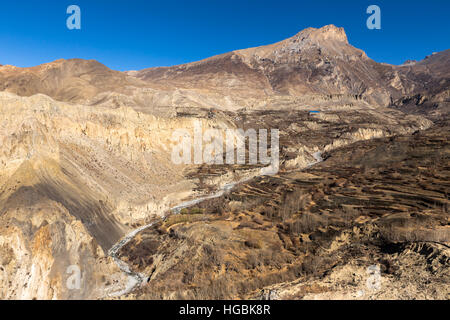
(135, 279)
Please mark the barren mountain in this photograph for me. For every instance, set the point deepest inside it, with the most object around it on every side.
(316, 67)
(64, 80)
(319, 63)
(85, 166)
(429, 81)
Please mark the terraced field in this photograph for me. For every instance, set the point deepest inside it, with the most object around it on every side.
(382, 202)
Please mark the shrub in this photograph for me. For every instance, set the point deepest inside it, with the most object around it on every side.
(253, 244)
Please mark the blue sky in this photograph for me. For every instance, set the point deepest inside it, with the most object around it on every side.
(136, 34)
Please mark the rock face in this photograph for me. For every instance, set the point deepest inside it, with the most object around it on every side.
(85, 158)
(73, 181)
(428, 82)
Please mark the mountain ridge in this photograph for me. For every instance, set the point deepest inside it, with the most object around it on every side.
(316, 62)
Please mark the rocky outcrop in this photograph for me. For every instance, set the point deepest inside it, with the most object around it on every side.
(73, 181)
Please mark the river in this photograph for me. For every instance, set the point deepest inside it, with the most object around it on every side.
(135, 279)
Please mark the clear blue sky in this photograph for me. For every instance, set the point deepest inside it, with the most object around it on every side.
(136, 34)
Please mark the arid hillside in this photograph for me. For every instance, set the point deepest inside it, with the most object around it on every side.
(87, 177)
(430, 93)
(313, 234)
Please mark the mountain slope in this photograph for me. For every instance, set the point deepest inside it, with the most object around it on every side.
(429, 81)
(313, 62)
(65, 80)
(313, 67)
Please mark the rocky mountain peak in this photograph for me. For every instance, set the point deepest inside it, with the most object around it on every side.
(327, 33)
